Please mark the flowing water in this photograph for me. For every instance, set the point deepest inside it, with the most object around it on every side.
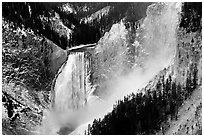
(72, 94)
(74, 102)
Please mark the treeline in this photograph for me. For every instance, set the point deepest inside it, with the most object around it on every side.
(91, 32)
(28, 14)
(191, 16)
(26, 64)
(143, 113)
(129, 11)
(82, 33)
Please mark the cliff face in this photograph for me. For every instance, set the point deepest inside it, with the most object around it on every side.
(36, 37)
(182, 76)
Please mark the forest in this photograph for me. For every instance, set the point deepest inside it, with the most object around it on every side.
(34, 32)
(83, 33)
(145, 113)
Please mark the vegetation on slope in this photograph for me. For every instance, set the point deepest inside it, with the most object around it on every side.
(145, 113)
(26, 78)
(39, 16)
(25, 73)
(189, 120)
(24, 58)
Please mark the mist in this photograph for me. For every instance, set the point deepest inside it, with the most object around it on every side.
(157, 41)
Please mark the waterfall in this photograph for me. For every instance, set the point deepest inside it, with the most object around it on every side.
(71, 90)
(156, 40)
(70, 86)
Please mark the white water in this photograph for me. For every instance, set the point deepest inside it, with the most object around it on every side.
(156, 40)
(71, 94)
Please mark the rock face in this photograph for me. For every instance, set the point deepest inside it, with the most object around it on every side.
(128, 53)
(57, 56)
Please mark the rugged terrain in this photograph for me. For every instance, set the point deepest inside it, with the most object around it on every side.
(35, 42)
(189, 120)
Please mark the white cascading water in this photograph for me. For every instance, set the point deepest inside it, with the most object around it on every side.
(72, 108)
(71, 92)
(71, 95)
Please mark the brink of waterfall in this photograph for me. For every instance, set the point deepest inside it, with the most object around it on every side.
(102, 68)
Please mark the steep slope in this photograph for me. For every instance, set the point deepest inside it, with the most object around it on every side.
(28, 67)
(112, 70)
(129, 52)
(189, 120)
(64, 23)
(173, 85)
